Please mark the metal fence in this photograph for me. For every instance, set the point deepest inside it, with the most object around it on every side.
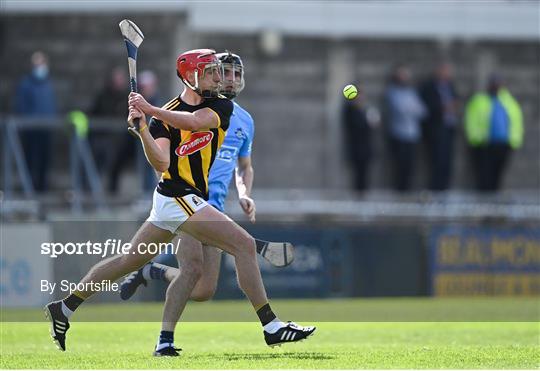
(82, 164)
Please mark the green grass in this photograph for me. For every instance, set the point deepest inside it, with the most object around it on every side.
(239, 345)
(472, 309)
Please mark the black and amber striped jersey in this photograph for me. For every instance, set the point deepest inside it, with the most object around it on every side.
(192, 152)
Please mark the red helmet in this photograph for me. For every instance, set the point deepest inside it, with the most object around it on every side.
(198, 61)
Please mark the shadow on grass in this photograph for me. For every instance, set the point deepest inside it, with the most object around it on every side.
(268, 356)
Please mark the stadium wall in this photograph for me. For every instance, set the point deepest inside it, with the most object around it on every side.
(294, 96)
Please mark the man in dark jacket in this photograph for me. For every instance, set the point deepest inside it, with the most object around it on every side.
(358, 121)
(110, 102)
(439, 126)
(35, 97)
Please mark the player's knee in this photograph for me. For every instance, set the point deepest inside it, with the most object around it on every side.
(248, 245)
(242, 245)
(204, 293)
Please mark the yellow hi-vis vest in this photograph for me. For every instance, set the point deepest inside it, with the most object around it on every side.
(478, 119)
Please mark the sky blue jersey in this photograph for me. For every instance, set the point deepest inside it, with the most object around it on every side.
(237, 143)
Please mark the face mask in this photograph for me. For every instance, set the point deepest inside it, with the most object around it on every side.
(41, 71)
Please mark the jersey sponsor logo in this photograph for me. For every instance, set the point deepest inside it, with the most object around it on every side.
(196, 142)
(227, 153)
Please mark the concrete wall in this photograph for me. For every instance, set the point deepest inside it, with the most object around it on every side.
(294, 96)
(295, 99)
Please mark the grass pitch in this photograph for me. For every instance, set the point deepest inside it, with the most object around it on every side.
(239, 345)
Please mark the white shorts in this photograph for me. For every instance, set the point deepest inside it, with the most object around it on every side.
(170, 212)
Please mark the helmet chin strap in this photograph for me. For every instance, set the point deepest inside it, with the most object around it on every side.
(185, 81)
(196, 87)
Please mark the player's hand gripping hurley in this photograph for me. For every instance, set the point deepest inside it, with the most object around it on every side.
(133, 37)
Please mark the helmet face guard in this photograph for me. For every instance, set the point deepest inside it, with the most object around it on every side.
(208, 69)
(201, 63)
(233, 74)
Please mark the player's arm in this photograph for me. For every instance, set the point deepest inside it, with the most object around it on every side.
(204, 118)
(156, 150)
(244, 181)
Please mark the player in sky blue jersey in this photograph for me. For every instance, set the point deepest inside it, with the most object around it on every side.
(235, 152)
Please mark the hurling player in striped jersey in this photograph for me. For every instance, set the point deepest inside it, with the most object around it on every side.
(181, 142)
(234, 157)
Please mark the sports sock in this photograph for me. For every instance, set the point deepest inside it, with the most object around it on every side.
(265, 314)
(166, 339)
(154, 271)
(273, 326)
(70, 304)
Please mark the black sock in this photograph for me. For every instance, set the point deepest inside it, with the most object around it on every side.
(166, 337)
(265, 314)
(72, 302)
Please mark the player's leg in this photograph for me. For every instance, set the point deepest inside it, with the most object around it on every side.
(205, 288)
(190, 261)
(279, 254)
(198, 267)
(118, 266)
(162, 268)
(109, 269)
(214, 228)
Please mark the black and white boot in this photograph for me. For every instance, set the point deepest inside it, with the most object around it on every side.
(169, 351)
(130, 284)
(59, 323)
(288, 334)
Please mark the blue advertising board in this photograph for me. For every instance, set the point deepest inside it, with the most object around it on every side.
(308, 276)
(484, 261)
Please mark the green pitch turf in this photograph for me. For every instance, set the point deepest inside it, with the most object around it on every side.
(239, 345)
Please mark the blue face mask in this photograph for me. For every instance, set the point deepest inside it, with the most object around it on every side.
(41, 72)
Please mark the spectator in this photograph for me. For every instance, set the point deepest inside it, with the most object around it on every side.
(493, 127)
(35, 97)
(439, 126)
(403, 112)
(148, 87)
(110, 102)
(358, 122)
